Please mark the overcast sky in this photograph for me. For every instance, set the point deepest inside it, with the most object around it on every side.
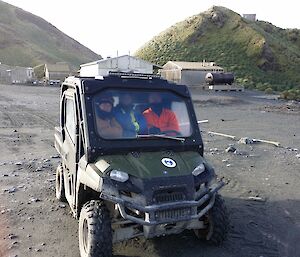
(108, 26)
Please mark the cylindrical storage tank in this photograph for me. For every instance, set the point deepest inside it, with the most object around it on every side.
(214, 78)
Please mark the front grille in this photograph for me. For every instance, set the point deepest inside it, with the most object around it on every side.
(173, 214)
(169, 197)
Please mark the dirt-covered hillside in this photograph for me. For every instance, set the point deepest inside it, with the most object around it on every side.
(28, 40)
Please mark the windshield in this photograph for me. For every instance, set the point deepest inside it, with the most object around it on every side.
(131, 114)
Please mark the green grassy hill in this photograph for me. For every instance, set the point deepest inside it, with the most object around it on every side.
(28, 40)
(260, 54)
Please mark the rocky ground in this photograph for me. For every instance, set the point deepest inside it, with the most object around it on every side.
(262, 192)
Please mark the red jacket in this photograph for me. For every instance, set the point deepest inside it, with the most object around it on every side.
(166, 121)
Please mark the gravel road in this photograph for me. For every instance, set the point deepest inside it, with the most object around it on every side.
(262, 192)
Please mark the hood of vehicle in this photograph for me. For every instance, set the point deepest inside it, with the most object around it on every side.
(152, 164)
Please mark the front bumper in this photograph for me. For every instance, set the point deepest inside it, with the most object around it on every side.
(163, 213)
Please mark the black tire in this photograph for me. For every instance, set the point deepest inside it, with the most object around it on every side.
(95, 233)
(59, 185)
(217, 222)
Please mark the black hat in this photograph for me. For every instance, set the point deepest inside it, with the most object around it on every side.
(105, 99)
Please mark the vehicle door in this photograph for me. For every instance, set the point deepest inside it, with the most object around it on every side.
(69, 148)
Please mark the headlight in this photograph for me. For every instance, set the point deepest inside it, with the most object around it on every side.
(119, 175)
(199, 169)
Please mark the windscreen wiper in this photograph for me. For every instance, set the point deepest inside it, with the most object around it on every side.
(161, 136)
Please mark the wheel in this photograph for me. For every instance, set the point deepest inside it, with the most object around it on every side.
(95, 233)
(217, 223)
(59, 185)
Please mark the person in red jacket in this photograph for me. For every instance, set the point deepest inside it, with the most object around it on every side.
(160, 120)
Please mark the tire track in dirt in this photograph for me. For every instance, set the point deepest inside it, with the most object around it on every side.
(44, 118)
(28, 118)
(11, 120)
(252, 232)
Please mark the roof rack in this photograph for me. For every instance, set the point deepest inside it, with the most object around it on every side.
(133, 75)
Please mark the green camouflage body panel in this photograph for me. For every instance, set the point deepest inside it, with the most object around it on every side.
(150, 165)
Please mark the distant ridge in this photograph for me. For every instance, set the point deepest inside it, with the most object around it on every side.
(260, 54)
(28, 40)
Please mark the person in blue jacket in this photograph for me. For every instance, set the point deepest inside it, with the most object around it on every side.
(132, 122)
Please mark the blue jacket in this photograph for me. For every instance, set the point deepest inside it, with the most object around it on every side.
(132, 122)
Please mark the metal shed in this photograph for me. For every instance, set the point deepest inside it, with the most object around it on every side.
(5, 73)
(125, 63)
(189, 73)
(58, 71)
(15, 74)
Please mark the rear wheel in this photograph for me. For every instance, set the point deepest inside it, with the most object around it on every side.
(217, 223)
(59, 185)
(95, 233)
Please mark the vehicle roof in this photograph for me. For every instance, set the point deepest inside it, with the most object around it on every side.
(92, 85)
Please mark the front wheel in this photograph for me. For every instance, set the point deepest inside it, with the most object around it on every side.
(95, 233)
(217, 223)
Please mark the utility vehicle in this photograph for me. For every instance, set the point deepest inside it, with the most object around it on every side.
(145, 184)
